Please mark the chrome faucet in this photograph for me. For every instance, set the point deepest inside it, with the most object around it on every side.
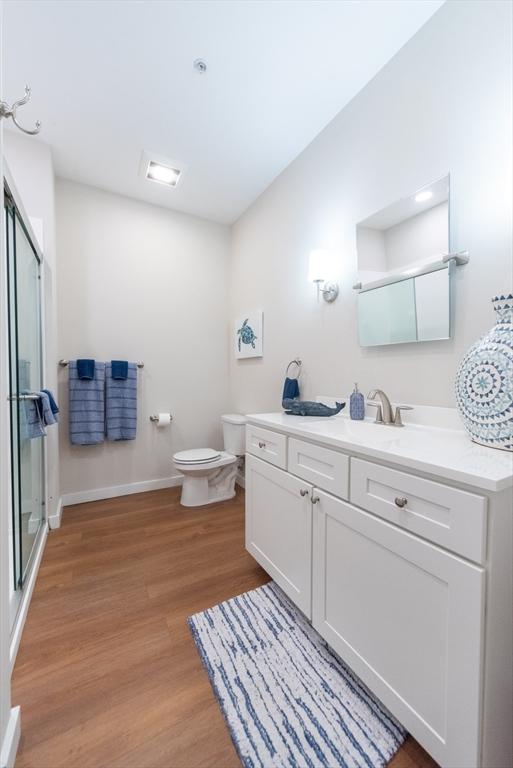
(384, 413)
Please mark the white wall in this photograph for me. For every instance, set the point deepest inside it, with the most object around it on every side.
(30, 163)
(443, 104)
(419, 238)
(9, 717)
(140, 282)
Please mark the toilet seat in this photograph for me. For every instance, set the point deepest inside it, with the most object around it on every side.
(201, 467)
(196, 456)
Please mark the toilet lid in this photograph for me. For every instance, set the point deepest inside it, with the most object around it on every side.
(196, 456)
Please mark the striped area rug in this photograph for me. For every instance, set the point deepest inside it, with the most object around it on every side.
(287, 698)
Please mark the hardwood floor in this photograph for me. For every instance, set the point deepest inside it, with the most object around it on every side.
(107, 674)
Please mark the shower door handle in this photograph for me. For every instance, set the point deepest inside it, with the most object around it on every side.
(23, 397)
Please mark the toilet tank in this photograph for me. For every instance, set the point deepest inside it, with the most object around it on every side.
(234, 433)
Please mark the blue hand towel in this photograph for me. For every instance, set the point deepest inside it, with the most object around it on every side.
(119, 369)
(53, 405)
(290, 389)
(45, 409)
(86, 406)
(32, 424)
(85, 369)
(121, 405)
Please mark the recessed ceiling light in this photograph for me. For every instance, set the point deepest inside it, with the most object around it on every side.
(164, 174)
(167, 171)
(421, 197)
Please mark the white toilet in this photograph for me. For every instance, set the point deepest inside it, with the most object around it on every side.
(209, 475)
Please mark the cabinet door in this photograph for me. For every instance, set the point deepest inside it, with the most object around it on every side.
(407, 617)
(279, 528)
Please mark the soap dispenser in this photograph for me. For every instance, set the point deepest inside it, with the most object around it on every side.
(357, 405)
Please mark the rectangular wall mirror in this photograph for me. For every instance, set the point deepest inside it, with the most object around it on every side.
(403, 277)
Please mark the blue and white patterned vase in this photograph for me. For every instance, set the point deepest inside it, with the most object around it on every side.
(484, 382)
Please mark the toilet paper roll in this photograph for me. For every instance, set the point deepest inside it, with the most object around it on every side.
(163, 419)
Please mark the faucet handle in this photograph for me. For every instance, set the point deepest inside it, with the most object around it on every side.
(379, 412)
(398, 422)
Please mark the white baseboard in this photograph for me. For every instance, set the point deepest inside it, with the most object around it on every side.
(28, 588)
(11, 739)
(96, 494)
(54, 521)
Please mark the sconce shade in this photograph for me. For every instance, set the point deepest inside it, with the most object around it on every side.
(320, 266)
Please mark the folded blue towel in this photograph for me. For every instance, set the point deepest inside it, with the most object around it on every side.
(85, 369)
(290, 389)
(53, 405)
(45, 409)
(121, 404)
(31, 422)
(119, 369)
(86, 406)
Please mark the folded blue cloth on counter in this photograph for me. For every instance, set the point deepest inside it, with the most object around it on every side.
(85, 369)
(86, 405)
(290, 389)
(53, 403)
(119, 369)
(121, 404)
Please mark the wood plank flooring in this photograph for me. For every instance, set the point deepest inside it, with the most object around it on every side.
(107, 673)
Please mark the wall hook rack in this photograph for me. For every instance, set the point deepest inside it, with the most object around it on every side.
(10, 111)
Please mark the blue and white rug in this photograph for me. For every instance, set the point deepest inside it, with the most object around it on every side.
(287, 698)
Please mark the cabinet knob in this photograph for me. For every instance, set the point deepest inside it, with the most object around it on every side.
(401, 501)
(315, 499)
(261, 445)
(304, 492)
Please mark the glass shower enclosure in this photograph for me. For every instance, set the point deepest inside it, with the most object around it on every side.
(25, 381)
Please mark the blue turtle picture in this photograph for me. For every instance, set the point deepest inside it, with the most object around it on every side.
(248, 335)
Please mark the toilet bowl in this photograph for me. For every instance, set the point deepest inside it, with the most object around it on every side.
(209, 475)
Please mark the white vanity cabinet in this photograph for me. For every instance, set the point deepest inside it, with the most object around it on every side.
(408, 579)
(406, 616)
(279, 528)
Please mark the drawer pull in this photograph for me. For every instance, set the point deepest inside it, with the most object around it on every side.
(303, 492)
(315, 499)
(401, 501)
(261, 445)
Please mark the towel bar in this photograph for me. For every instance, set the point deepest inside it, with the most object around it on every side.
(64, 363)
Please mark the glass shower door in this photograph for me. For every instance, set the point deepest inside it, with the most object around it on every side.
(25, 369)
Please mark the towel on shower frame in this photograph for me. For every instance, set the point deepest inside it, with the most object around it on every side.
(86, 406)
(121, 404)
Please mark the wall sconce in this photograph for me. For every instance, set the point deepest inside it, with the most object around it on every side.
(321, 267)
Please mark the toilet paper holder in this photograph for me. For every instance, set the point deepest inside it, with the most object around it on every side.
(155, 417)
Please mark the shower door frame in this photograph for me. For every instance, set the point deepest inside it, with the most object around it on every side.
(23, 593)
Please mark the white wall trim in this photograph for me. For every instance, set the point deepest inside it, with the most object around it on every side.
(11, 739)
(96, 494)
(54, 521)
(26, 598)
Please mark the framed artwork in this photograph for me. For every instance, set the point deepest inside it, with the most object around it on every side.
(248, 335)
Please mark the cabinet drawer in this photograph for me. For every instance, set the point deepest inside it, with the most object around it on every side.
(452, 518)
(267, 445)
(322, 467)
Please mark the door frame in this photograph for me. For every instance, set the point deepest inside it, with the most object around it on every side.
(23, 600)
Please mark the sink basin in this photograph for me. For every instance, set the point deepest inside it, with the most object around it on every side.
(358, 431)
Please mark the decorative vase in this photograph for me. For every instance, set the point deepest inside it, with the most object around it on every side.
(484, 382)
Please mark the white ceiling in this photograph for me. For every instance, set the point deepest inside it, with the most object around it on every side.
(111, 78)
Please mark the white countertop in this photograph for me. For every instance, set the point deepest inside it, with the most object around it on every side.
(446, 453)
